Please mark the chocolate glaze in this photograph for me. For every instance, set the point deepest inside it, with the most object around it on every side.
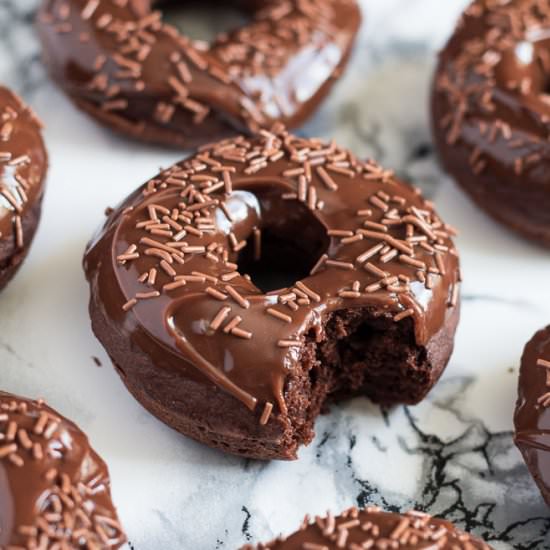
(23, 165)
(372, 528)
(532, 415)
(54, 489)
(379, 245)
(491, 111)
(122, 64)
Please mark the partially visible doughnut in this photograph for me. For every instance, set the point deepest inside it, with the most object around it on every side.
(23, 166)
(119, 61)
(491, 111)
(373, 528)
(532, 414)
(54, 489)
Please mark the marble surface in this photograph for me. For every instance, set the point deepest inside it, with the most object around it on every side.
(452, 455)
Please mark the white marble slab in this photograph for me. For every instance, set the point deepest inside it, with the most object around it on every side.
(452, 455)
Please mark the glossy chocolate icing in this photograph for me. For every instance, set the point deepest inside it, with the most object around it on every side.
(121, 63)
(532, 415)
(491, 111)
(54, 489)
(372, 528)
(23, 164)
(174, 288)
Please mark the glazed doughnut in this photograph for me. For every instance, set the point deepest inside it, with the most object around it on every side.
(23, 166)
(54, 489)
(369, 304)
(119, 62)
(491, 111)
(371, 527)
(532, 416)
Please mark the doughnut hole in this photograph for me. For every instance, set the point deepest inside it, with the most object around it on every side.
(204, 20)
(289, 246)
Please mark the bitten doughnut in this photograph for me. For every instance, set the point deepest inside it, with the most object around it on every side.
(532, 416)
(23, 166)
(491, 112)
(240, 289)
(54, 489)
(119, 62)
(372, 528)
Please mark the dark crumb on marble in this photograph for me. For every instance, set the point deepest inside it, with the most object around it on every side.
(422, 151)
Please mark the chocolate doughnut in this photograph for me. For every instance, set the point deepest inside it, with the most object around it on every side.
(491, 112)
(532, 415)
(54, 489)
(369, 304)
(372, 528)
(119, 62)
(23, 165)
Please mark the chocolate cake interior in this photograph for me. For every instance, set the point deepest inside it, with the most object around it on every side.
(358, 354)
